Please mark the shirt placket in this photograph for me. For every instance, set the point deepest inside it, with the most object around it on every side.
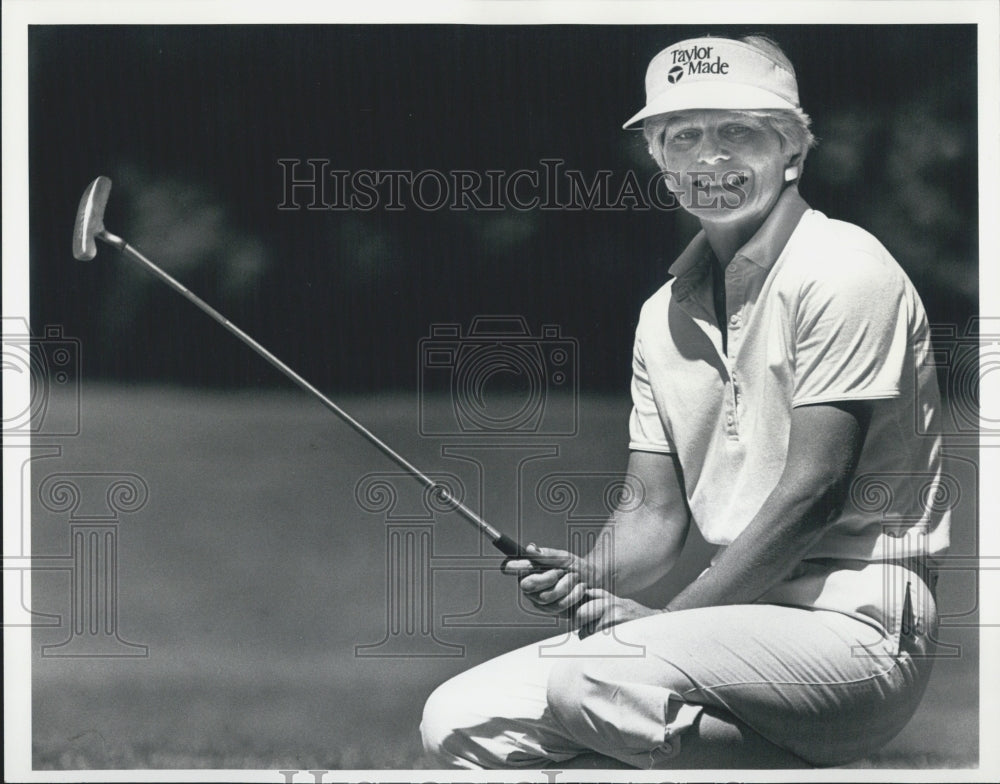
(736, 278)
(694, 296)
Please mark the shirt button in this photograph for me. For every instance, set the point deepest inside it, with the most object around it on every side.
(734, 319)
(729, 419)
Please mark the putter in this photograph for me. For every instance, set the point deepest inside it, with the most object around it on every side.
(89, 227)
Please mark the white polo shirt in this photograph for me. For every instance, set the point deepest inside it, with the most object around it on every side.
(817, 311)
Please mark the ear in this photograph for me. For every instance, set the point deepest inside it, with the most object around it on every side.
(793, 167)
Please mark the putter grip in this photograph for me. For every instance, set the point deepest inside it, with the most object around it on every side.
(513, 549)
(510, 547)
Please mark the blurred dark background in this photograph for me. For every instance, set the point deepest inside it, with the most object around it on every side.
(190, 121)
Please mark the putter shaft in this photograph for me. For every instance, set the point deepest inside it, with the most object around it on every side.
(501, 541)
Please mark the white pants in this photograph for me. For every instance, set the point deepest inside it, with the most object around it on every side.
(822, 685)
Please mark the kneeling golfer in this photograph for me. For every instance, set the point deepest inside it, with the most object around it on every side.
(778, 371)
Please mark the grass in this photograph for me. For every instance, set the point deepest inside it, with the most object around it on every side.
(252, 573)
(197, 722)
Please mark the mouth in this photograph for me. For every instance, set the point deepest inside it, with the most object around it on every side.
(713, 180)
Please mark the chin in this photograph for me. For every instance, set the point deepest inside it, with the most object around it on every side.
(722, 214)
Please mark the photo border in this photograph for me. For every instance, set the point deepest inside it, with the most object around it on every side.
(18, 15)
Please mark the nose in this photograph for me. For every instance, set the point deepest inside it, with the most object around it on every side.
(711, 150)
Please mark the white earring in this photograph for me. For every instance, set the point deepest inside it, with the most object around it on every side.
(791, 173)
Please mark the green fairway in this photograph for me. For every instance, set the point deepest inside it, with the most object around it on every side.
(253, 572)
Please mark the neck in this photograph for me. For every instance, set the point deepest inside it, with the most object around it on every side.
(727, 238)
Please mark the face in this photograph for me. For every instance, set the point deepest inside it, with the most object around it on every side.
(724, 167)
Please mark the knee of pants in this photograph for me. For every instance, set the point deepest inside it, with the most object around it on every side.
(444, 731)
(567, 694)
(439, 722)
(606, 713)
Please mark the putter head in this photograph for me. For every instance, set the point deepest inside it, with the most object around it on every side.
(90, 218)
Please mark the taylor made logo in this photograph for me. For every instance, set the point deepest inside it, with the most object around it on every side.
(695, 60)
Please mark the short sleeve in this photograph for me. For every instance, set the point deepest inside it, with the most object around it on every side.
(851, 332)
(646, 431)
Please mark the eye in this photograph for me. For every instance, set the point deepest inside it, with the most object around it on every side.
(737, 130)
(684, 136)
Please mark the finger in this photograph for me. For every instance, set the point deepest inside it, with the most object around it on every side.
(570, 600)
(564, 606)
(587, 629)
(516, 566)
(584, 630)
(595, 613)
(548, 609)
(563, 586)
(525, 563)
(549, 556)
(542, 581)
(567, 600)
(589, 613)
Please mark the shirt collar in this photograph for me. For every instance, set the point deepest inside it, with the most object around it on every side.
(762, 249)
